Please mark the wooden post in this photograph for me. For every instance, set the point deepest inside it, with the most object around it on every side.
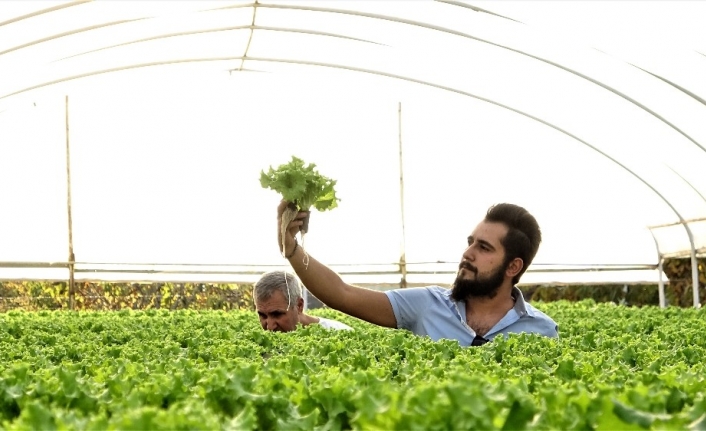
(72, 258)
(403, 257)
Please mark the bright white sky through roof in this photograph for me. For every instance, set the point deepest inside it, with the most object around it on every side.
(165, 161)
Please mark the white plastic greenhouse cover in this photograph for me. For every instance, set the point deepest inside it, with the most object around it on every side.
(592, 115)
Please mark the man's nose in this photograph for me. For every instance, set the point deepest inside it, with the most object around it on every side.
(271, 324)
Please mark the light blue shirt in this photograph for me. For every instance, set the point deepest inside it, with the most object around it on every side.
(431, 311)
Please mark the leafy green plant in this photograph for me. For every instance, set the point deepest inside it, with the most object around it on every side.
(613, 368)
(302, 185)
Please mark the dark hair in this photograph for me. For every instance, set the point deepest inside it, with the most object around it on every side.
(523, 234)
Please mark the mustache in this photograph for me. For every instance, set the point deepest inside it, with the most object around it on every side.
(468, 266)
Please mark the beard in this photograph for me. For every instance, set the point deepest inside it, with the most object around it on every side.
(486, 287)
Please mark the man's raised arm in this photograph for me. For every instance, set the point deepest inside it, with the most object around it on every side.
(370, 305)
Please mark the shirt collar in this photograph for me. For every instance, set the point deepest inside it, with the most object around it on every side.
(520, 307)
(520, 304)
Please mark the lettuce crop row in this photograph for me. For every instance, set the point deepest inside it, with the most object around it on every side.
(613, 368)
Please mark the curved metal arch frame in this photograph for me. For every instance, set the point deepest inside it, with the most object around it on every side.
(416, 81)
(477, 9)
(431, 27)
(43, 11)
(257, 4)
(251, 27)
(675, 85)
(694, 264)
(68, 33)
(703, 198)
(497, 45)
(692, 255)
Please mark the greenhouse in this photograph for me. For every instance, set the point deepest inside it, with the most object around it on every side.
(133, 136)
(166, 112)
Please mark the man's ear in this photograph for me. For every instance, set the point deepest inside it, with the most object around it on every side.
(300, 305)
(514, 267)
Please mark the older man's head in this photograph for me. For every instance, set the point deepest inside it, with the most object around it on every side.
(278, 301)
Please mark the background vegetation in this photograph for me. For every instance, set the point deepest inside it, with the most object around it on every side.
(52, 295)
(678, 291)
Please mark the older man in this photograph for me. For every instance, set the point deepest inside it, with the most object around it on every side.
(280, 305)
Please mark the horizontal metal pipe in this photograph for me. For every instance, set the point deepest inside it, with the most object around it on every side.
(677, 223)
(533, 268)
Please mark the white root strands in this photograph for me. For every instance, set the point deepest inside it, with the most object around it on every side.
(288, 216)
(305, 261)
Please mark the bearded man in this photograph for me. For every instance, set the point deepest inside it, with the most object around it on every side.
(483, 302)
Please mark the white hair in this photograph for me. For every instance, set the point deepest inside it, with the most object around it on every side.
(272, 281)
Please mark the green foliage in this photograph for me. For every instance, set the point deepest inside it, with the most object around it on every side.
(678, 290)
(33, 295)
(633, 295)
(50, 295)
(302, 185)
(614, 368)
(680, 280)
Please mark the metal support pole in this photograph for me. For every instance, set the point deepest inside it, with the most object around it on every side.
(695, 278)
(660, 271)
(403, 257)
(660, 287)
(72, 258)
(694, 262)
(625, 294)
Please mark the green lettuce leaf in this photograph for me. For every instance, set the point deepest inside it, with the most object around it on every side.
(302, 185)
